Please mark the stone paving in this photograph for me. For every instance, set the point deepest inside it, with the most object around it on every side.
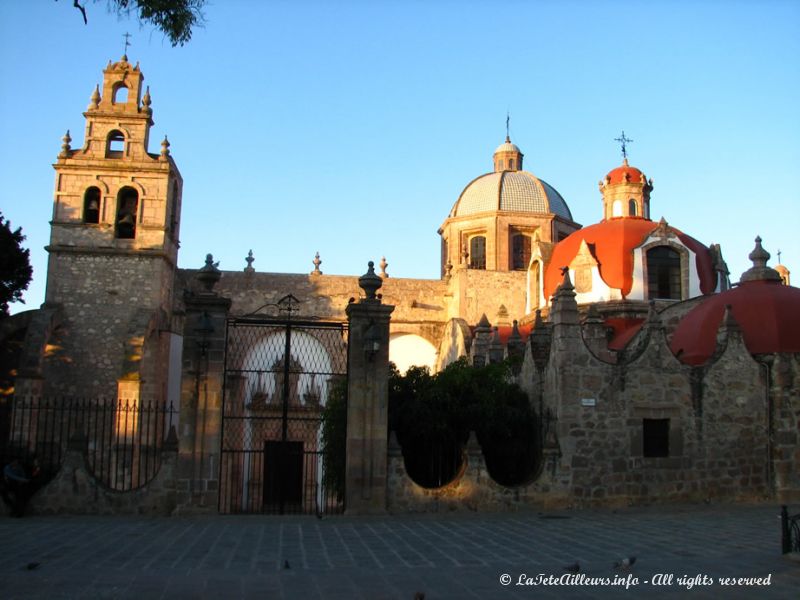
(453, 556)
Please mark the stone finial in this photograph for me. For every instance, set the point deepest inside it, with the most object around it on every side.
(164, 149)
(515, 335)
(147, 101)
(496, 348)
(566, 282)
(209, 275)
(483, 323)
(760, 271)
(383, 264)
(94, 101)
(515, 346)
(564, 308)
(249, 260)
(448, 271)
(662, 231)
(65, 145)
(370, 283)
(502, 315)
(538, 323)
(316, 262)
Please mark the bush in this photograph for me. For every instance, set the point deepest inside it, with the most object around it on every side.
(433, 415)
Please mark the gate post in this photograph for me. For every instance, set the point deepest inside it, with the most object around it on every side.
(201, 394)
(367, 399)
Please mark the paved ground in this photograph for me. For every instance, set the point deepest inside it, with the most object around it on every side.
(444, 556)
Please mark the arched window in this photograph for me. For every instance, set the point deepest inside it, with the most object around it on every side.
(115, 144)
(520, 251)
(120, 95)
(616, 209)
(632, 207)
(477, 252)
(127, 209)
(663, 273)
(511, 164)
(91, 205)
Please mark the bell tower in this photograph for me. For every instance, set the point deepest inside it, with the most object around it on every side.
(114, 246)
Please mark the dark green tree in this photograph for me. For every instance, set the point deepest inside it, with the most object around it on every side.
(15, 266)
(176, 18)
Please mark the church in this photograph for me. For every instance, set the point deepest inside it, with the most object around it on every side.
(655, 375)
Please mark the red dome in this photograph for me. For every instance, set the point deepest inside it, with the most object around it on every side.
(767, 312)
(625, 174)
(612, 243)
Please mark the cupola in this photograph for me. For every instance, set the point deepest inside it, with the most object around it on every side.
(626, 193)
(507, 157)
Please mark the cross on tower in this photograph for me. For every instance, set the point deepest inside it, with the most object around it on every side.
(623, 140)
(779, 256)
(508, 119)
(127, 43)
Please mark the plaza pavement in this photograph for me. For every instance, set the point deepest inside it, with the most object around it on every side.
(445, 556)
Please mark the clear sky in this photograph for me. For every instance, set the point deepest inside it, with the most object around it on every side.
(350, 128)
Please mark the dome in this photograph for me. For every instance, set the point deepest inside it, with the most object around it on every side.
(625, 174)
(512, 191)
(507, 146)
(765, 309)
(612, 243)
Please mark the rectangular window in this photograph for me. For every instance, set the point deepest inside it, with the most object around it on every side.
(655, 438)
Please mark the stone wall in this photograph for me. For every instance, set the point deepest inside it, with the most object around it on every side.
(75, 491)
(421, 304)
(473, 489)
(783, 371)
(718, 422)
(103, 297)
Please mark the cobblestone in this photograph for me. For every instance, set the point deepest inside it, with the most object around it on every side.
(459, 556)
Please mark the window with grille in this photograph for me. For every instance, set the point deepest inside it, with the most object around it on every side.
(663, 273)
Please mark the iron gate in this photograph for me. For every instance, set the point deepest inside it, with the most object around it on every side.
(279, 375)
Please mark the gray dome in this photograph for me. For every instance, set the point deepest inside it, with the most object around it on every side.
(511, 191)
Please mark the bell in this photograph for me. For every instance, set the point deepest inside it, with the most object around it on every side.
(94, 204)
(126, 219)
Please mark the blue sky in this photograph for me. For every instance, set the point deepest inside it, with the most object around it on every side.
(350, 128)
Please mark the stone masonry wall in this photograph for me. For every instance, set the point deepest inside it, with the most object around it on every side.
(75, 491)
(102, 298)
(421, 306)
(784, 375)
(473, 489)
(717, 426)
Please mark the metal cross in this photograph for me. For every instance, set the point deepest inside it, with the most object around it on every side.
(779, 256)
(127, 43)
(508, 119)
(623, 140)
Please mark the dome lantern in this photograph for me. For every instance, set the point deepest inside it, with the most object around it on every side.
(626, 193)
(507, 157)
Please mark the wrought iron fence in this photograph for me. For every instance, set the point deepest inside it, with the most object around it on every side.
(790, 531)
(122, 440)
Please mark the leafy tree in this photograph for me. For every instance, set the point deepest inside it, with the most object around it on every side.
(15, 266)
(433, 415)
(175, 18)
(334, 439)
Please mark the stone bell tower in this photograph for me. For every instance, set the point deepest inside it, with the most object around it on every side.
(113, 248)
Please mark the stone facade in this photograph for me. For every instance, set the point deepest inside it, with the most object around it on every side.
(731, 427)
(627, 421)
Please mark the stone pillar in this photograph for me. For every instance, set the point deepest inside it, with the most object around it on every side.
(201, 394)
(367, 400)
